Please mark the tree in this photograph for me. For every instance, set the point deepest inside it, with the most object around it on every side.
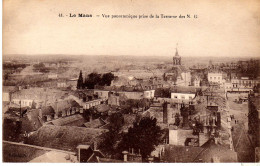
(116, 121)
(92, 80)
(110, 139)
(41, 68)
(98, 79)
(106, 79)
(80, 84)
(143, 136)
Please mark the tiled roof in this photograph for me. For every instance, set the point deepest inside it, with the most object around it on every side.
(69, 120)
(64, 137)
(184, 154)
(27, 153)
(94, 123)
(183, 89)
(64, 105)
(40, 94)
(102, 108)
(215, 150)
(9, 88)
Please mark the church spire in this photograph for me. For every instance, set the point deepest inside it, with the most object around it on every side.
(176, 58)
(176, 53)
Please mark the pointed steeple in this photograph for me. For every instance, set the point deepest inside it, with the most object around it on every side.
(176, 58)
(176, 53)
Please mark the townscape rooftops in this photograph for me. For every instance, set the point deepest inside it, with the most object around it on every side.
(64, 105)
(27, 153)
(183, 154)
(256, 101)
(64, 137)
(48, 110)
(177, 69)
(40, 94)
(183, 89)
(73, 120)
(102, 108)
(155, 112)
(10, 88)
(129, 119)
(192, 154)
(120, 89)
(215, 150)
(94, 123)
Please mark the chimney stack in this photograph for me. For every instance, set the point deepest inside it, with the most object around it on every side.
(95, 145)
(165, 116)
(125, 155)
(40, 113)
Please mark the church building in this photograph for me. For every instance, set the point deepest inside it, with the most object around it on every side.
(178, 75)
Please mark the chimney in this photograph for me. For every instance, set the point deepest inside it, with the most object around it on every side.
(150, 159)
(165, 116)
(214, 121)
(56, 109)
(218, 120)
(95, 145)
(40, 113)
(125, 155)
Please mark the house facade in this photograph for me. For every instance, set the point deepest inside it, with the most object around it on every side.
(215, 78)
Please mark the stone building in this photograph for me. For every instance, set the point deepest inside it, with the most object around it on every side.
(178, 74)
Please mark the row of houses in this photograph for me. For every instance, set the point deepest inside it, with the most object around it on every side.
(254, 121)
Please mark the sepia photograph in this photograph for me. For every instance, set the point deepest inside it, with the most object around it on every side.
(131, 81)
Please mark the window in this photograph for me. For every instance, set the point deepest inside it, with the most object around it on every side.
(182, 97)
(175, 97)
(214, 78)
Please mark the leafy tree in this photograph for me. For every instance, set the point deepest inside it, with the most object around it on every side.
(116, 121)
(92, 80)
(106, 79)
(98, 79)
(11, 130)
(41, 68)
(111, 138)
(145, 135)
(80, 84)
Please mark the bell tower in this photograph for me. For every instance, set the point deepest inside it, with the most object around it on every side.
(176, 58)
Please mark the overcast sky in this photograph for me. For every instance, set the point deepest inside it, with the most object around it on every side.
(223, 28)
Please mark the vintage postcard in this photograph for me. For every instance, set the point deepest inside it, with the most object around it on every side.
(131, 81)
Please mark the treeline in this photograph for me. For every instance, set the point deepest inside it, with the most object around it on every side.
(95, 79)
(12, 66)
(41, 68)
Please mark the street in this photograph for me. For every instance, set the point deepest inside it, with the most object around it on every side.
(241, 141)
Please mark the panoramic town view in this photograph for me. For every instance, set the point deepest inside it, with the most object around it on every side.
(131, 81)
(121, 109)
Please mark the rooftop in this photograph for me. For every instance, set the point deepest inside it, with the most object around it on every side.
(10, 88)
(40, 94)
(95, 123)
(183, 89)
(184, 154)
(20, 153)
(73, 120)
(64, 137)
